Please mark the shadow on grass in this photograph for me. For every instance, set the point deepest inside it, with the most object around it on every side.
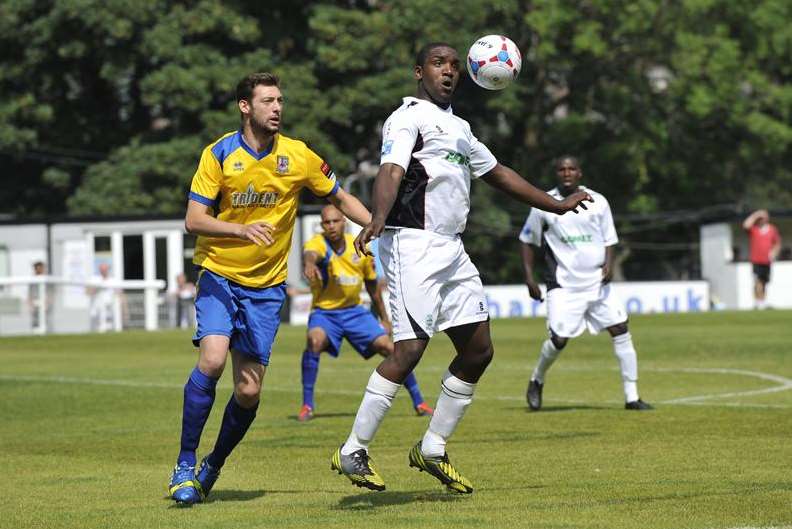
(521, 437)
(372, 500)
(319, 416)
(560, 408)
(235, 495)
(572, 407)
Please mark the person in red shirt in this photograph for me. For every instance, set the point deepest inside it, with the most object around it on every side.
(765, 244)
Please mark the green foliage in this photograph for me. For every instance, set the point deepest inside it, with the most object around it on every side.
(670, 105)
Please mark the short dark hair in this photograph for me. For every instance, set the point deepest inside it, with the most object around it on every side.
(569, 157)
(244, 89)
(426, 49)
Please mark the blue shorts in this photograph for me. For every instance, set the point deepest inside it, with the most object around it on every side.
(248, 316)
(357, 324)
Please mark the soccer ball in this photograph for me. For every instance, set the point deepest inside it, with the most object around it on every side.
(493, 62)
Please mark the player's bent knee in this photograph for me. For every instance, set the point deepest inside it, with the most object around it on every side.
(212, 365)
(559, 342)
(618, 329)
(316, 346)
(316, 341)
(484, 357)
(405, 357)
(382, 346)
(247, 395)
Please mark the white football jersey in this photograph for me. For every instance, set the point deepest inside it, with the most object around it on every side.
(440, 155)
(573, 244)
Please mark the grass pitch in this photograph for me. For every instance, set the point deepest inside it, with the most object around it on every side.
(89, 429)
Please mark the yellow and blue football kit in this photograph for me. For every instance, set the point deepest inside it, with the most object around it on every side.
(338, 312)
(241, 285)
(342, 273)
(336, 298)
(240, 289)
(243, 187)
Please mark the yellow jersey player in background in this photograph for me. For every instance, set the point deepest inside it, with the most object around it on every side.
(242, 205)
(337, 275)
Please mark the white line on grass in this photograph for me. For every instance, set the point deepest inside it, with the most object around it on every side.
(785, 383)
(774, 527)
(698, 400)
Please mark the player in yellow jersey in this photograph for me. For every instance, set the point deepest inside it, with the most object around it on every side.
(242, 206)
(337, 275)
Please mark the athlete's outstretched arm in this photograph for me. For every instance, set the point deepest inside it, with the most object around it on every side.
(508, 181)
(351, 207)
(386, 188)
(198, 221)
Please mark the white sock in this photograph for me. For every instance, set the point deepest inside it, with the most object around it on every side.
(455, 396)
(628, 361)
(547, 355)
(376, 402)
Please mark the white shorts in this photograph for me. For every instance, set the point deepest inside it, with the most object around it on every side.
(571, 311)
(432, 283)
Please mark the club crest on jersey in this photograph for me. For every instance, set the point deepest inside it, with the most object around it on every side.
(254, 199)
(327, 171)
(282, 167)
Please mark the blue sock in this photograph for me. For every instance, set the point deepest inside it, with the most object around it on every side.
(236, 421)
(411, 383)
(310, 370)
(199, 395)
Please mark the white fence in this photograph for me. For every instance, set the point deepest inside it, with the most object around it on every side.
(512, 301)
(44, 304)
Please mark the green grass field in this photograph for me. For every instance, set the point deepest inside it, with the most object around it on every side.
(90, 425)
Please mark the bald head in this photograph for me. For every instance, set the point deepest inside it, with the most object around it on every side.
(333, 223)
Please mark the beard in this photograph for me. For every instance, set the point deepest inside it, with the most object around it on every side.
(259, 127)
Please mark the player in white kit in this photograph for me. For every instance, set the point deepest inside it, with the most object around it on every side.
(421, 202)
(578, 254)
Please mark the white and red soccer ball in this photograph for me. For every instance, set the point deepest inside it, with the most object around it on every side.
(493, 62)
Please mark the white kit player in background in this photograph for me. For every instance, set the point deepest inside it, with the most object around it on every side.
(420, 206)
(578, 256)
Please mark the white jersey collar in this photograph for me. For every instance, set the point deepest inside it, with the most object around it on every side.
(557, 190)
(410, 99)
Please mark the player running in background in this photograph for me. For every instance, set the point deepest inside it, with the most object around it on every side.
(420, 208)
(765, 244)
(578, 253)
(242, 206)
(336, 274)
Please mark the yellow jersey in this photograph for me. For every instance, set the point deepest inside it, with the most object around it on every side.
(342, 274)
(243, 187)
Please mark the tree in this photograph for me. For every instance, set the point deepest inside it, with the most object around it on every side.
(104, 106)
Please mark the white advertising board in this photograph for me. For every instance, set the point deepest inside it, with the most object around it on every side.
(512, 301)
